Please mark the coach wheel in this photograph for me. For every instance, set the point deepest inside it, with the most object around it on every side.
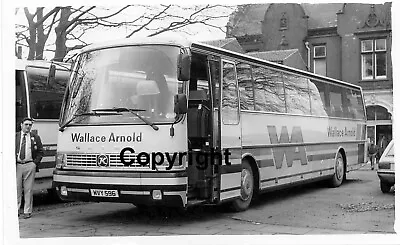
(246, 188)
(53, 195)
(141, 207)
(385, 187)
(339, 175)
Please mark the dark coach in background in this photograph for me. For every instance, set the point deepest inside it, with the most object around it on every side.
(29, 153)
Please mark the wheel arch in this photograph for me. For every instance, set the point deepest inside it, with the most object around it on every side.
(256, 172)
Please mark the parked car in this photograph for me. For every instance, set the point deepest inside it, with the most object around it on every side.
(386, 168)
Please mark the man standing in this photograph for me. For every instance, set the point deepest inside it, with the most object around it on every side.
(29, 153)
(381, 147)
(372, 154)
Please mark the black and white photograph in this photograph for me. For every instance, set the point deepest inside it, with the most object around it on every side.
(263, 122)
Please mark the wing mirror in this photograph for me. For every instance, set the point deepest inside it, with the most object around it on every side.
(52, 74)
(183, 67)
(180, 101)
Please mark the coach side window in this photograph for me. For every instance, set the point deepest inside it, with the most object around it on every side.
(348, 110)
(268, 90)
(246, 90)
(318, 97)
(260, 101)
(336, 101)
(230, 104)
(46, 99)
(297, 96)
(360, 112)
(355, 104)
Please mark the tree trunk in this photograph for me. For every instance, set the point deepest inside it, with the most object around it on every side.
(32, 43)
(32, 35)
(61, 35)
(41, 37)
(61, 47)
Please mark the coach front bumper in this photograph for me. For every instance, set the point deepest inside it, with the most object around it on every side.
(148, 188)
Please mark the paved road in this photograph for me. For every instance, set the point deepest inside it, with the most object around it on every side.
(357, 207)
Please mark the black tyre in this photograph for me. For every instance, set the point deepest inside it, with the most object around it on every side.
(53, 195)
(141, 207)
(339, 168)
(385, 187)
(246, 189)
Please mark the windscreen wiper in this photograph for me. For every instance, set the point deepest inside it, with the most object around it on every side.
(92, 113)
(133, 111)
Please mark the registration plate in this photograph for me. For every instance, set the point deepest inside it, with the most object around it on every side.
(103, 193)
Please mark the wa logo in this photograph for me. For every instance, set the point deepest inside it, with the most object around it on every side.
(291, 153)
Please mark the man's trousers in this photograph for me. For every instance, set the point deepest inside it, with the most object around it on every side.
(25, 180)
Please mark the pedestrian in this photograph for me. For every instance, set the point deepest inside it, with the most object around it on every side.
(372, 150)
(29, 153)
(381, 147)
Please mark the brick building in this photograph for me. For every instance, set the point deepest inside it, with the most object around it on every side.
(350, 42)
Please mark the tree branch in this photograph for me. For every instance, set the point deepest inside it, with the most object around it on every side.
(108, 16)
(28, 15)
(53, 22)
(44, 18)
(151, 20)
(77, 17)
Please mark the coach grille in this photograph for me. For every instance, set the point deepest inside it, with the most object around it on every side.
(90, 161)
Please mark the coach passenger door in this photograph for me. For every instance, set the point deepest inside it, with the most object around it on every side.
(231, 133)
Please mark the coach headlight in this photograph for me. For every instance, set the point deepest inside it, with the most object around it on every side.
(61, 160)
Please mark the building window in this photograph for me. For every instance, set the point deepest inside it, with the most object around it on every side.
(373, 59)
(378, 113)
(320, 60)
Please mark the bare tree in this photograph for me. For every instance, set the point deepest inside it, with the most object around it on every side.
(71, 24)
(38, 36)
(167, 14)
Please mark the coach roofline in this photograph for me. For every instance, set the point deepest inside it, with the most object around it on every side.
(176, 41)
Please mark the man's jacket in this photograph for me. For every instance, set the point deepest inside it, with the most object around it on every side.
(372, 149)
(36, 148)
